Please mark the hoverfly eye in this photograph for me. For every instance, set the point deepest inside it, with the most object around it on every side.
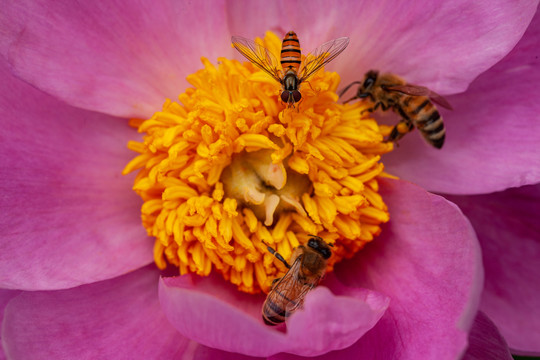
(285, 96)
(296, 95)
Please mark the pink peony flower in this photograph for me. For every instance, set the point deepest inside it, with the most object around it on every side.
(75, 262)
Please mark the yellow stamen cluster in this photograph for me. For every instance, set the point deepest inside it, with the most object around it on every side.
(231, 168)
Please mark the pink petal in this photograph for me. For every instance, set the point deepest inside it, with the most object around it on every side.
(427, 259)
(492, 135)
(67, 215)
(442, 45)
(5, 297)
(485, 341)
(197, 351)
(115, 319)
(221, 317)
(507, 227)
(118, 57)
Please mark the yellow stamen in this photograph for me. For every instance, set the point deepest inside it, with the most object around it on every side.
(229, 168)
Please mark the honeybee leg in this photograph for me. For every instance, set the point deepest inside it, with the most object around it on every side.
(375, 107)
(403, 127)
(278, 256)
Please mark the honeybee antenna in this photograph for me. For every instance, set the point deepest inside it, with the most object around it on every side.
(276, 254)
(347, 88)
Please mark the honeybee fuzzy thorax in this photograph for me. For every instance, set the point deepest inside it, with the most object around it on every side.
(389, 79)
(313, 262)
(386, 97)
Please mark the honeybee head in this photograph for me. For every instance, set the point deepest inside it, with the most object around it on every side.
(367, 86)
(320, 246)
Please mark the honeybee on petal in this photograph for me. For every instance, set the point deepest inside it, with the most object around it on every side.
(287, 294)
(412, 102)
(293, 70)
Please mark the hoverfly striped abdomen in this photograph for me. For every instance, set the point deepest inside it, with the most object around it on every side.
(291, 55)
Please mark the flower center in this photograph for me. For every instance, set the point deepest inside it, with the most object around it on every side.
(266, 188)
(231, 168)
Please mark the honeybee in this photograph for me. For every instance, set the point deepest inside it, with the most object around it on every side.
(293, 71)
(412, 102)
(287, 293)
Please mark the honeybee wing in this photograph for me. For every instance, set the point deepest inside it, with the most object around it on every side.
(322, 56)
(258, 55)
(304, 289)
(417, 90)
(288, 293)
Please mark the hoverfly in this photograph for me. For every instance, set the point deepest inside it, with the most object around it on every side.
(293, 70)
(412, 102)
(287, 293)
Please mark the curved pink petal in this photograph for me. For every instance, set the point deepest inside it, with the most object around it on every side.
(507, 227)
(427, 259)
(442, 45)
(115, 319)
(5, 297)
(197, 351)
(120, 57)
(67, 215)
(485, 341)
(223, 318)
(492, 134)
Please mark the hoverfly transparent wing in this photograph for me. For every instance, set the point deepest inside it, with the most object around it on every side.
(322, 56)
(417, 90)
(258, 55)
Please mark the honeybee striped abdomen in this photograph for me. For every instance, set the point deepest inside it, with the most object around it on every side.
(277, 307)
(424, 115)
(430, 123)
